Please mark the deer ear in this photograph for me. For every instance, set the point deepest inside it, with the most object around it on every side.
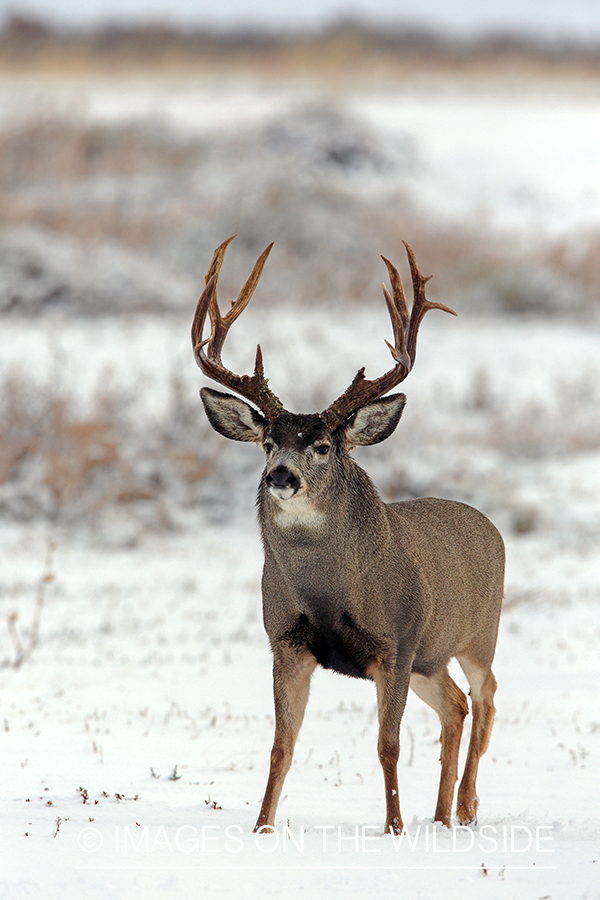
(233, 418)
(374, 422)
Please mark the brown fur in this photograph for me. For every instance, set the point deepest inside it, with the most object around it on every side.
(377, 591)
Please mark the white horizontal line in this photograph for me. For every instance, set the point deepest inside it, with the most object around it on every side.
(318, 868)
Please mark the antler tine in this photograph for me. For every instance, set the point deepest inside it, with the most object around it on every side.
(217, 260)
(362, 391)
(399, 296)
(253, 388)
(208, 299)
(420, 304)
(398, 311)
(246, 292)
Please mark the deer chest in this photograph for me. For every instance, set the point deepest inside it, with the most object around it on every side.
(334, 638)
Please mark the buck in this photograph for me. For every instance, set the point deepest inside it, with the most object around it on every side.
(386, 592)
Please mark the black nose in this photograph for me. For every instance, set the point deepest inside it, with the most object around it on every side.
(281, 477)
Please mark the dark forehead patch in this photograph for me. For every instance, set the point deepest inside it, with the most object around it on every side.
(297, 430)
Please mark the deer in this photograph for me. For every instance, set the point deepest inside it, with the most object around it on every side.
(388, 592)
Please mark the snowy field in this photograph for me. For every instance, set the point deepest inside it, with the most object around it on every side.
(136, 729)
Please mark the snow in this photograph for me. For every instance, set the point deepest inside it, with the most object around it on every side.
(513, 155)
(136, 737)
(502, 159)
(155, 668)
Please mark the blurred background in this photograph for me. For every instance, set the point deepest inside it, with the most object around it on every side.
(135, 137)
(546, 19)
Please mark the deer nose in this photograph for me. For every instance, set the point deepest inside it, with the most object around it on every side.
(282, 477)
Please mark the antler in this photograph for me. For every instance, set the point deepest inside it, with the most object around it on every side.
(254, 388)
(362, 391)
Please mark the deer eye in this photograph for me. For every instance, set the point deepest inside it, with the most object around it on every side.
(268, 447)
(322, 449)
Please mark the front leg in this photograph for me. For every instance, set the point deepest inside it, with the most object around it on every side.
(292, 670)
(392, 688)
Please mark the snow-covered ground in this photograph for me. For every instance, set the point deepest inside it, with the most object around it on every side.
(135, 738)
(152, 675)
(510, 153)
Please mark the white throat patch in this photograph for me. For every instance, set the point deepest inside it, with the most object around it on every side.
(298, 511)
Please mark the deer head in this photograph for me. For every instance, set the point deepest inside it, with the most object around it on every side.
(362, 415)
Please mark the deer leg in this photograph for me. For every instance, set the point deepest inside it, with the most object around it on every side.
(392, 689)
(483, 686)
(291, 682)
(443, 695)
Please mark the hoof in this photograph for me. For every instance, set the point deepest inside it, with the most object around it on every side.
(470, 822)
(263, 829)
(467, 812)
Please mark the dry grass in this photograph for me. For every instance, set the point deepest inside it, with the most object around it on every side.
(141, 190)
(343, 51)
(74, 178)
(580, 262)
(54, 148)
(69, 465)
(169, 200)
(111, 471)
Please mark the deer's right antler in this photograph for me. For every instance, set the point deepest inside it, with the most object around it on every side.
(362, 391)
(254, 388)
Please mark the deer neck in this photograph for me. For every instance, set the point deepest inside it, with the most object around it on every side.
(349, 515)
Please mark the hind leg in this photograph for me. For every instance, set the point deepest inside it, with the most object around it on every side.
(483, 687)
(444, 696)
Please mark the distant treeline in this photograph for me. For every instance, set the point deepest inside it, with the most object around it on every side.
(347, 45)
